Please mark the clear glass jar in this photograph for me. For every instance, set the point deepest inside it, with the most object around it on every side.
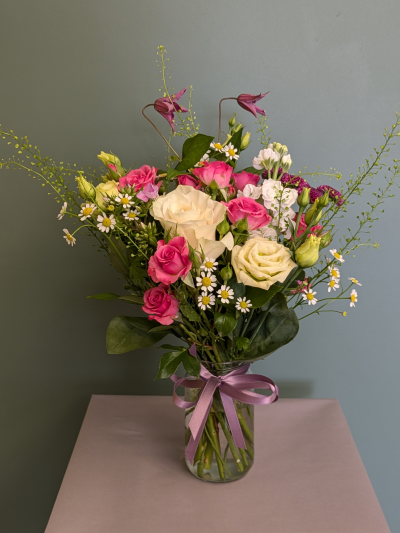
(217, 459)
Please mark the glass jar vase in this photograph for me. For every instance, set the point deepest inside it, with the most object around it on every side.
(217, 458)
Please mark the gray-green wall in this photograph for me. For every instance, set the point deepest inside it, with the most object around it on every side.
(74, 77)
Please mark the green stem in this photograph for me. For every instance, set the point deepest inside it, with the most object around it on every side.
(208, 456)
(246, 323)
(249, 449)
(212, 437)
(200, 466)
(245, 428)
(244, 458)
(230, 441)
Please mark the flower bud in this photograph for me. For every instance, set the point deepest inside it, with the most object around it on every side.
(307, 254)
(223, 227)
(280, 148)
(232, 121)
(242, 225)
(109, 159)
(314, 213)
(286, 162)
(326, 239)
(304, 198)
(86, 189)
(226, 273)
(245, 141)
(237, 127)
(194, 257)
(324, 200)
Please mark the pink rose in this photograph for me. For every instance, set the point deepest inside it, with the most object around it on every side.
(231, 191)
(257, 215)
(189, 180)
(244, 178)
(138, 178)
(217, 171)
(161, 305)
(303, 226)
(170, 262)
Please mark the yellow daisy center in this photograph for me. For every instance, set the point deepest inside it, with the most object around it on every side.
(243, 305)
(337, 255)
(224, 294)
(106, 222)
(332, 283)
(110, 208)
(353, 298)
(208, 264)
(344, 313)
(70, 237)
(124, 201)
(131, 215)
(206, 282)
(334, 273)
(354, 280)
(87, 211)
(310, 296)
(205, 300)
(218, 146)
(231, 152)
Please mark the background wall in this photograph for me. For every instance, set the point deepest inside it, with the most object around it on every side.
(74, 77)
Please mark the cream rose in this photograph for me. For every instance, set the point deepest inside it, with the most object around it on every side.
(109, 188)
(192, 214)
(261, 262)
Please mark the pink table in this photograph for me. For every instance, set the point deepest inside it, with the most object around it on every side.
(127, 475)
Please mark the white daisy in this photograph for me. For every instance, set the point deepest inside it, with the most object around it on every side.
(309, 296)
(69, 238)
(230, 152)
(243, 305)
(63, 211)
(106, 222)
(353, 298)
(333, 284)
(206, 282)
(334, 272)
(217, 147)
(209, 264)
(205, 301)
(225, 293)
(355, 281)
(86, 211)
(336, 255)
(131, 215)
(203, 160)
(124, 200)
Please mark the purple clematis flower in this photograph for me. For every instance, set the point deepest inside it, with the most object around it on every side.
(247, 101)
(149, 192)
(167, 109)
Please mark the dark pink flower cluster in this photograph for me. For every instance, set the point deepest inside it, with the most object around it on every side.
(333, 193)
(294, 182)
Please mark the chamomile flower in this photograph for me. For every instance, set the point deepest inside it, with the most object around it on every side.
(333, 284)
(243, 305)
(86, 211)
(106, 222)
(69, 238)
(217, 147)
(353, 298)
(203, 160)
(225, 293)
(309, 297)
(207, 282)
(336, 255)
(334, 272)
(205, 301)
(130, 215)
(209, 264)
(355, 281)
(230, 152)
(125, 200)
(63, 211)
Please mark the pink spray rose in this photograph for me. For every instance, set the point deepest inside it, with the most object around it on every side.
(244, 178)
(257, 215)
(218, 171)
(303, 226)
(139, 178)
(170, 261)
(185, 179)
(161, 305)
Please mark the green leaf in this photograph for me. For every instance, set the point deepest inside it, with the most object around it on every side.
(126, 333)
(188, 311)
(225, 323)
(169, 363)
(253, 170)
(260, 297)
(191, 364)
(172, 173)
(137, 273)
(119, 256)
(193, 150)
(104, 296)
(132, 299)
(242, 343)
(236, 139)
(160, 328)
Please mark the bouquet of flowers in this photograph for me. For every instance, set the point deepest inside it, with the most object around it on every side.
(222, 258)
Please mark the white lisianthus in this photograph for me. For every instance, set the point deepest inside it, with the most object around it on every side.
(266, 159)
(267, 232)
(261, 262)
(194, 215)
(274, 193)
(250, 191)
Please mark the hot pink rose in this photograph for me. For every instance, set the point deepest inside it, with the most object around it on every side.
(244, 178)
(303, 226)
(161, 305)
(257, 215)
(138, 178)
(218, 171)
(170, 262)
(189, 180)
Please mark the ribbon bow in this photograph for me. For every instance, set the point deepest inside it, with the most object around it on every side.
(234, 385)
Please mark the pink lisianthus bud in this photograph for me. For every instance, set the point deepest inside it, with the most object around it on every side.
(138, 178)
(231, 191)
(170, 261)
(161, 305)
(240, 208)
(150, 192)
(315, 230)
(247, 101)
(167, 107)
(217, 171)
(244, 178)
(185, 179)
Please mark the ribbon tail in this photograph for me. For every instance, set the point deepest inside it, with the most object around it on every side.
(233, 420)
(192, 447)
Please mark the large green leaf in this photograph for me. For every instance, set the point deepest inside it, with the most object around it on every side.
(132, 299)
(169, 363)
(188, 311)
(260, 297)
(126, 333)
(253, 170)
(104, 296)
(236, 139)
(193, 150)
(224, 323)
(119, 256)
(191, 364)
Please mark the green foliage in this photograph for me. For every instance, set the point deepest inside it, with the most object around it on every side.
(259, 297)
(170, 362)
(188, 311)
(193, 150)
(104, 296)
(242, 344)
(224, 323)
(126, 333)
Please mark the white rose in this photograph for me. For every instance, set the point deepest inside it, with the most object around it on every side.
(250, 191)
(194, 215)
(274, 194)
(261, 262)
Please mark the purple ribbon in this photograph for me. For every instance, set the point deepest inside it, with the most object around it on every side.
(234, 385)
